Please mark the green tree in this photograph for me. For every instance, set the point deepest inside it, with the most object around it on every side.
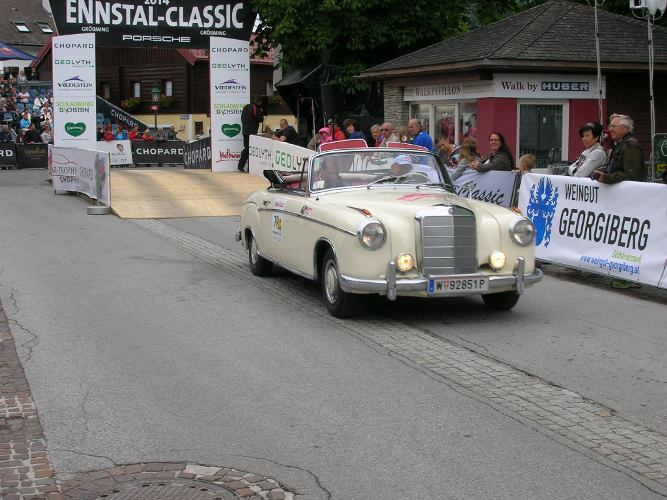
(357, 34)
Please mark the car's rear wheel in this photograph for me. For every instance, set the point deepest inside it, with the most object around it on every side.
(339, 303)
(503, 301)
(259, 266)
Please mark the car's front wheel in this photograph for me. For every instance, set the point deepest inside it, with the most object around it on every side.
(339, 303)
(259, 266)
(503, 301)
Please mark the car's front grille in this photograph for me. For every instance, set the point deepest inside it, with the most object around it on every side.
(449, 241)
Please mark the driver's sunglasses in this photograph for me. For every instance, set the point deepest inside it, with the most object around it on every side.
(383, 129)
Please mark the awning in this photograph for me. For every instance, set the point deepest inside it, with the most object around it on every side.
(305, 83)
(8, 52)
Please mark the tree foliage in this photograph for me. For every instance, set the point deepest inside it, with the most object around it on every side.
(357, 34)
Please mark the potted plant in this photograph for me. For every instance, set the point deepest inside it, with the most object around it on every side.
(166, 102)
(131, 104)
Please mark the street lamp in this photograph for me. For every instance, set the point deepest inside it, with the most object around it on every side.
(155, 96)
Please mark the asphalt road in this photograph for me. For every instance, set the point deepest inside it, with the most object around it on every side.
(136, 350)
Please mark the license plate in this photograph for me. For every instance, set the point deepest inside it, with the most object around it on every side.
(460, 284)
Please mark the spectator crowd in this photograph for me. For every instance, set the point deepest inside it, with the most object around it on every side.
(26, 112)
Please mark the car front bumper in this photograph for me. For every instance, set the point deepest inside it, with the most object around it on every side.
(393, 286)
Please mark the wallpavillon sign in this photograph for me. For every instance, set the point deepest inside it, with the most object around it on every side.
(153, 23)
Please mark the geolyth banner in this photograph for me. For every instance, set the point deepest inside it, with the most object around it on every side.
(619, 229)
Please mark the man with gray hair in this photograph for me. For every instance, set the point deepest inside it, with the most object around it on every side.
(626, 161)
(388, 135)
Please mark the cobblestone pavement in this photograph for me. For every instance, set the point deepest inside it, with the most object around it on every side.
(570, 418)
(26, 471)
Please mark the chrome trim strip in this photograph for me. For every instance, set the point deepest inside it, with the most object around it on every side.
(310, 219)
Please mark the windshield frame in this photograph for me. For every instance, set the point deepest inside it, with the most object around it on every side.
(447, 183)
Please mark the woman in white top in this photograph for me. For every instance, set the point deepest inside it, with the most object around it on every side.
(590, 159)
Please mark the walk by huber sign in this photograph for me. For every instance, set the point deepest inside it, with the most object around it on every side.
(152, 23)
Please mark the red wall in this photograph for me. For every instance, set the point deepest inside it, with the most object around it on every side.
(582, 111)
(497, 115)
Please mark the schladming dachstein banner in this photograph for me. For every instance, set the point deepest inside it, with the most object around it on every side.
(619, 229)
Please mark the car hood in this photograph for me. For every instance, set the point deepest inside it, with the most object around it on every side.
(386, 204)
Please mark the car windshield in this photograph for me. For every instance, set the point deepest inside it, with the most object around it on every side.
(346, 169)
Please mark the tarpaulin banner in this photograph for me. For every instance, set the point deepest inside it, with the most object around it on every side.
(82, 170)
(7, 154)
(155, 23)
(74, 93)
(32, 155)
(619, 229)
(120, 151)
(146, 152)
(230, 91)
(493, 187)
(197, 154)
(268, 154)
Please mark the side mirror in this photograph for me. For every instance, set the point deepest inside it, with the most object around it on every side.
(274, 178)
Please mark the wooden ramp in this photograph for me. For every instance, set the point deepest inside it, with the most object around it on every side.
(164, 193)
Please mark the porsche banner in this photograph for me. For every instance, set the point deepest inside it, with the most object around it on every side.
(619, 229)
(152, 23)
(74, 91)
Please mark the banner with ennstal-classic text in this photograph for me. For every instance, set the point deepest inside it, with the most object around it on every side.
(74, 91)
(230, 91)
(618, 230)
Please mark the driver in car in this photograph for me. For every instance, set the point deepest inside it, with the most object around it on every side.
(403, 166)
(330, 173)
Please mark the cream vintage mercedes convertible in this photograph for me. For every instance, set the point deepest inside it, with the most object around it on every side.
(386, 221)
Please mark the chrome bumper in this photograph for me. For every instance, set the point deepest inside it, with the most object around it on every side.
(393, 286)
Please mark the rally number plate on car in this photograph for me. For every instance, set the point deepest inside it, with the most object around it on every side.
(460, 284)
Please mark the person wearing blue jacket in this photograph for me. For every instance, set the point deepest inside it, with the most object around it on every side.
(420, 136)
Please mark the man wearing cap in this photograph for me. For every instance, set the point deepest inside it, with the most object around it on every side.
(403, 165)
(626, 161)
(251, 116)
(336, 132)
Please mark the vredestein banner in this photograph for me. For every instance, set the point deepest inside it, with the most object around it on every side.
(618, 230)
(74, 91)
(152, 23)
(230, 91)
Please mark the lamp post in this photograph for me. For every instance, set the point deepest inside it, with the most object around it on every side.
(155, 96)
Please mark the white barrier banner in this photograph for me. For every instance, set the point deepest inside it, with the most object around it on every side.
(618, 230)
(82, 170)
(120, 151)
(74, 91)
(494, 187)
(268, 154)
(230, 91)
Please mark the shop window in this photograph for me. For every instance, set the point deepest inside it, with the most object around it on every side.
(445, 121)
(106, 90)
(467, 120)
(541, 132)
(199, 128)
(136, 89)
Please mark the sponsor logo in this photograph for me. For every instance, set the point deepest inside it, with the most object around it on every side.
(75, 82)
(231, 81)
(228, 154)
(541, 209)
(231, 130)
(75, 129)
(75, 63)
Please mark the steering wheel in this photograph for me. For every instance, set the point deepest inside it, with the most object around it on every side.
(419, 177)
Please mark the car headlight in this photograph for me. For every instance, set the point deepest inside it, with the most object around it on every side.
(371, 234)
(405, 262)
(497, 259)
(523, 232)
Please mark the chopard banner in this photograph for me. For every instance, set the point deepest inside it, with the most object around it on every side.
(7, 154)
(119, 151)
(197, 154)
(116, 115)
(82, 170)
(230, 91)
(146, 152)
(74, 91)
(493, 187)
(609, 229)
(151, 23)
(267, 154)
(32, 155)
